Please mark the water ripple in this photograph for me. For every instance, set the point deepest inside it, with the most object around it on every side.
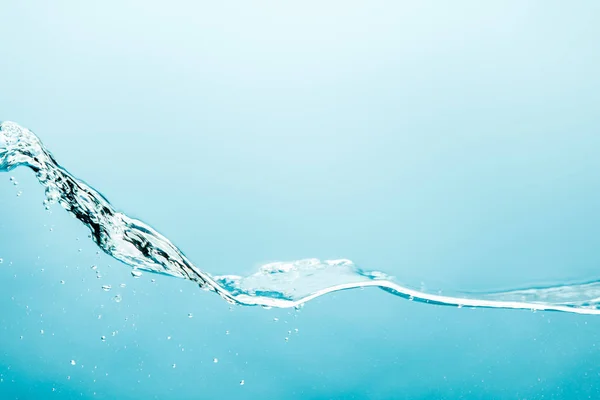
(280, 284)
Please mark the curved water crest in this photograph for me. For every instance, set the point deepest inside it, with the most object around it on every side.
(280, 284)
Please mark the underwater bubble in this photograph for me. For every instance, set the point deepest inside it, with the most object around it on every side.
(73, 362)
(215, 360)
(103, 338)
(117, 298)
(1, 260)
(190, 315)
(242, 382)
(136, 273)
(106, 288)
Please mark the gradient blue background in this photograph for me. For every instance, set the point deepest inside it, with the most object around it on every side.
(449, 143)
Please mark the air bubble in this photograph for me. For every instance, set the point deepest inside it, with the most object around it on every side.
(215, 360)
(73, 362)
(135, 273)
(106, 288)
(117, 298)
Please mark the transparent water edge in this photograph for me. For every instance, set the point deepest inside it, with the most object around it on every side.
(279, 284)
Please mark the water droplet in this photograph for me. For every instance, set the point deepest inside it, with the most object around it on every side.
(41, 331)
(73, 362)
(190, 315)
(19, 193)
(174, 365)
(117, 298)
(168, 337)
(1, 260)
(94, 267)
(287, 339)
(106, 288)
(275, 319)
(227, 332)
(153, 280)
(103, 338)
(242, 382)
(62, 282)
(136, 273)
(122, 285)
(215, 360)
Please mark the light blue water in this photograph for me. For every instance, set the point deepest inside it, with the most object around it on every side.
(453, 148)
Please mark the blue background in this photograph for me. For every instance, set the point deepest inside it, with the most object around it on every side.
(450, 144)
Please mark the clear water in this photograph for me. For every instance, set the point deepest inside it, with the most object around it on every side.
(450, 152)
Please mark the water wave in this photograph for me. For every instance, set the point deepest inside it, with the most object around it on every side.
(280, 284)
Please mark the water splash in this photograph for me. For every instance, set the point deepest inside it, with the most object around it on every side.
(281, 284)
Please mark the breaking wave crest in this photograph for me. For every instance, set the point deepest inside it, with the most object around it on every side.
(280, 284)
